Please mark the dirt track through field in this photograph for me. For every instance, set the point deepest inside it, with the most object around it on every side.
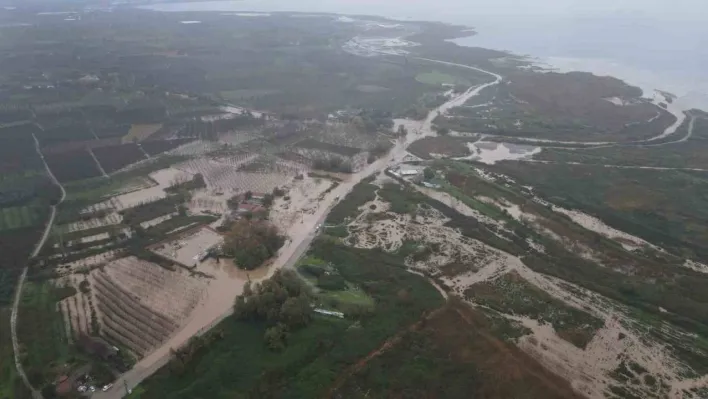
(388, 344)
(23, 276)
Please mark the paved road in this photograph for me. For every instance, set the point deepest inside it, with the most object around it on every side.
(23, 276)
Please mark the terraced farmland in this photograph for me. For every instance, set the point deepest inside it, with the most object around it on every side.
(141, 304)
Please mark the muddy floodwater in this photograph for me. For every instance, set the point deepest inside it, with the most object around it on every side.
(491, 153)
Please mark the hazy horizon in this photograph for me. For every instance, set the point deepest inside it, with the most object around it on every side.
(650, 43)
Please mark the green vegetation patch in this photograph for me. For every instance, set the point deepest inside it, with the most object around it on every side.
(11, 385)
(351, 297)
(151, 210)
(453, 354)
(362, 193)
(333, 290)
(512, 294)
(252, 242)
(41, 332)
(76, 235)
(314, 355)
(640, 202)
(20, 216)
(403, 200)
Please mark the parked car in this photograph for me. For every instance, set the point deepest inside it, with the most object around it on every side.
(106, 387)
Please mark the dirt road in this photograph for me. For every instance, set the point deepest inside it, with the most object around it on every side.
(23, 276)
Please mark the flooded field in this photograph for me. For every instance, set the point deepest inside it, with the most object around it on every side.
(491, 153)
(188, 248)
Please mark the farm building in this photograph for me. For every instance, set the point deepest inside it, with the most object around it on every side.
(329, 313)
(408, 172)
(332, 156)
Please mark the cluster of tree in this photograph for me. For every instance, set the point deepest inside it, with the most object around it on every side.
(151, 210)
(209, 130)
(380, 148)
(283, 302)
(332, 164)
(252, 242)
(371, 121)
(197, 182)
(196, 346)
(442, 131)
(417, 112)
(420, 110)
(268, 200)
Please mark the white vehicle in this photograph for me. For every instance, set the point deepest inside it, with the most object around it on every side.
(106, 387)
(92, 388)
(82, 388)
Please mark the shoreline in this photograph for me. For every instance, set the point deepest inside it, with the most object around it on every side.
(690, 94)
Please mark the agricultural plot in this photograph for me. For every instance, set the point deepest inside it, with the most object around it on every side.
(91, 222)
(151, 210)
(92, 234)
(41, 330)
(17, 149)
(155, 147)
(455, 354)
(19, 132)
(226, 178)
(72, 165)
(271, 164)
(123, 192)
(139, 133)
(87, 262)
(142, 113)
(77, 310)
(19, 217)
(154, 222)
(141, 304)
(187, 248)
(15, 115)
(58, 118)
(195, 148)
(61, 134)
(112, 131)
(15, 247)
(113, 158)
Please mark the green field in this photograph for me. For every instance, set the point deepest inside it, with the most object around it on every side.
(352, 296)
(347, 298)
(239, 365)
(41, 332)
(19, 216)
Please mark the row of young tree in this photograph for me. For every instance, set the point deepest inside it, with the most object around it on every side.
(283, 302)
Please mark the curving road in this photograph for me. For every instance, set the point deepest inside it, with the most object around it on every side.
(23, 276)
